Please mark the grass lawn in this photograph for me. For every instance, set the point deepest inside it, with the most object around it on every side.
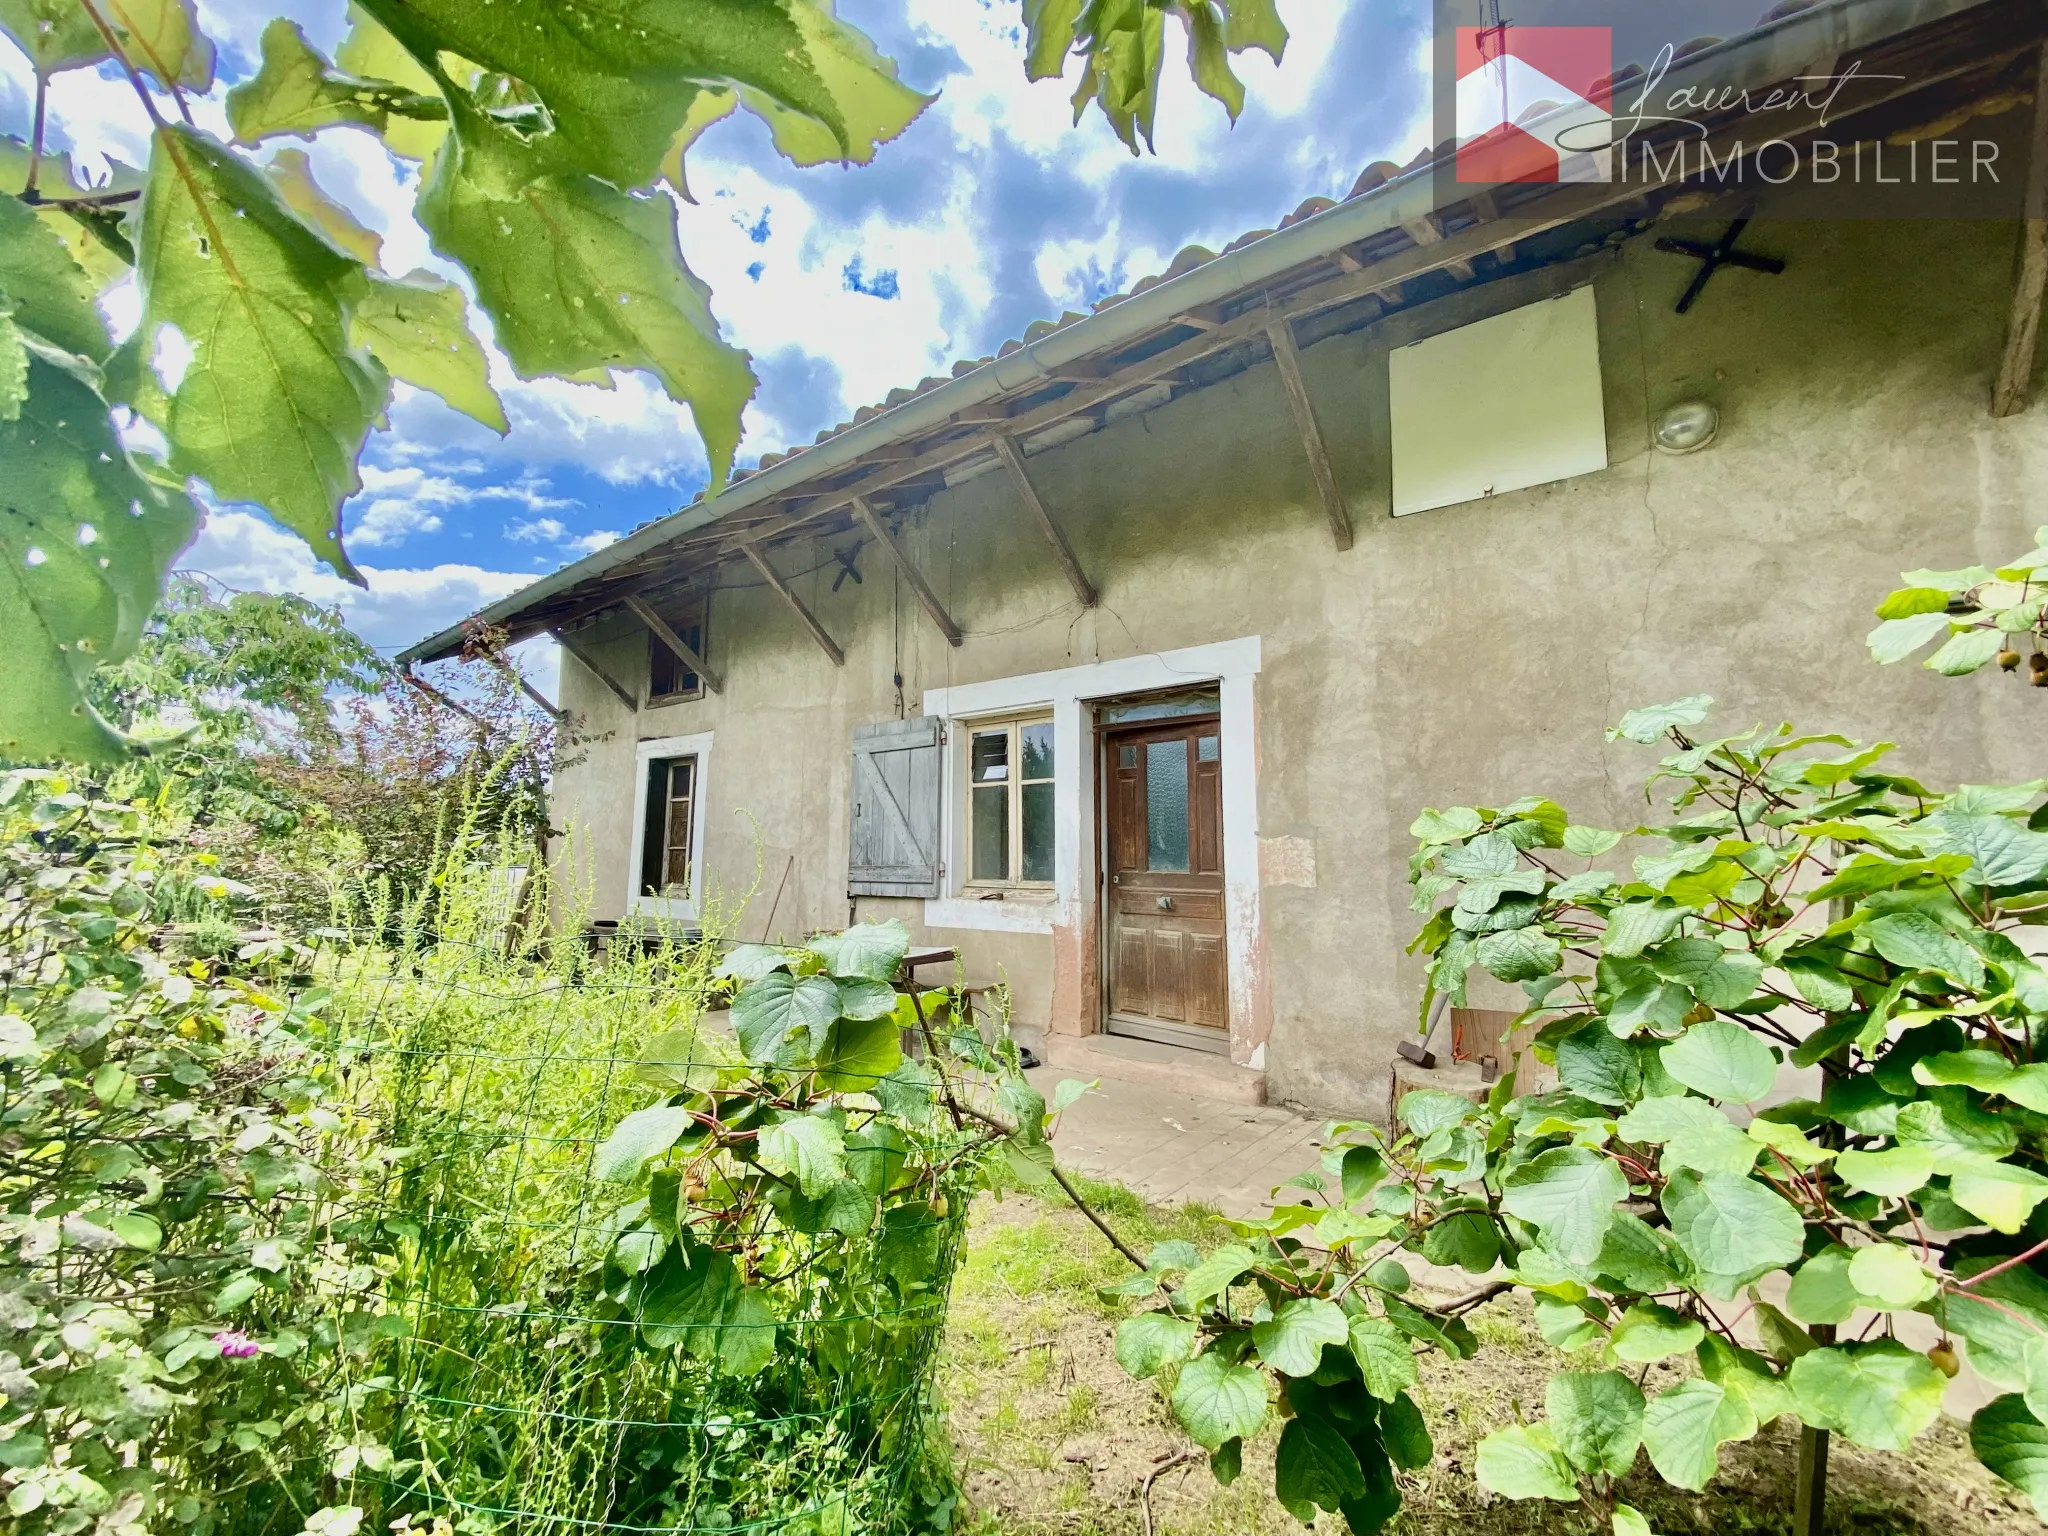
(1049, 1435)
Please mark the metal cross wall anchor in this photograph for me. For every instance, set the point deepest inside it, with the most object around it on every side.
(1713, 258)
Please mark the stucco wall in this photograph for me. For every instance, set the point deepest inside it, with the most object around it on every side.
(1466, 655)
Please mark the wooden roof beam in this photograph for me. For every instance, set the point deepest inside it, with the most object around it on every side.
(1013, 459)
(595, 667)
(1280, 330)
(825, 642)
(2023, 330)
(539, 699)
(925, 595)
(678, 647)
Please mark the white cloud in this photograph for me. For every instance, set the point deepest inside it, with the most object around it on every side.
(401, 606)
(404, 499)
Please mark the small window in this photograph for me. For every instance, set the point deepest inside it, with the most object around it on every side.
(669, 678)
(665, 838)
(1010, 804)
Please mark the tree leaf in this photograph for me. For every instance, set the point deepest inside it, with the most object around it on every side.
(2001, 851)
(869, 950)
(1966, 651)
(1524, 1462)
(1822, 1292)
(1216, 1274)
(1896, 639)
(1151, 1340)
(85, 545)
(1314, 1465)
(858, 1054)
(750, 962)
(1915, 941)
(2002, 1195)
(1880, 1394)
(577, 275)
(52, 295)
(1634, 927)
(1890, 1275)
(1292, 1340)
(1468, 1239)
(13, 364)
(1384, 1358)
(298, 92)
(1685, 1428)
(1595, 1065)
(1521, 954)
(1649, 726)
(418, 328)
(1216, 1401)
(276, 403)
(689, 1058)
(1722, 1060)
(617, 94)
(807, 1148)
(1431, 826)
(2013, 1444)
(746, 1335)
(1893, 1173)
(1589, 842)
(783, 1019)
(1630, 1521)
(1648, 1332)
(1569, 1195)
(1720, 978)
(644, 1134)
(160, 37)
(1732, 1226)
(1405, 1434)
(1597, 1420)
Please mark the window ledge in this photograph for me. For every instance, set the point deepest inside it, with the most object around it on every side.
(1020, 912)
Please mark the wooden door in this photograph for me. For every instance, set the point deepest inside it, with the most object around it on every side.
(1162, 839)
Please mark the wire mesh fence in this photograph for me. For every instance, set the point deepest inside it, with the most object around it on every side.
(563, 1330)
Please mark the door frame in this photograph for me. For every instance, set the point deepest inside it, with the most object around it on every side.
(1159, 1031)
(1072, 919)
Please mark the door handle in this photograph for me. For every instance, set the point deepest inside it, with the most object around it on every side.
(1166, 903)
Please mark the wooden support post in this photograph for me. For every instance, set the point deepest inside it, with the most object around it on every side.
(825, 641)
(925, 595)
(1280, 330)
(441, 698)
(596, 669)
(1013, 459)
(2023, 332)
(540, 699)
(678, 647)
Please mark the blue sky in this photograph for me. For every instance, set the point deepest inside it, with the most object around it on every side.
(991, 211)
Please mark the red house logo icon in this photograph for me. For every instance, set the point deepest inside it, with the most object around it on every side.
(1535, 104)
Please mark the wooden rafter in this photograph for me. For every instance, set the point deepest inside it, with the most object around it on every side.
(540, 700)
(871, 521)
(1280, 330)
(678, 647)
(825, 642)
(2023, 331)
(597, 669)
(1496, 229)
(1013, 460)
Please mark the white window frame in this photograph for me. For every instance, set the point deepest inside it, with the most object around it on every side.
(669, 908)
(1014, 726)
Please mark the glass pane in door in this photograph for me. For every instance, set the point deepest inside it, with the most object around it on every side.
(1166, 807)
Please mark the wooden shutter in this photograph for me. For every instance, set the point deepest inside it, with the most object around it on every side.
(898, 777)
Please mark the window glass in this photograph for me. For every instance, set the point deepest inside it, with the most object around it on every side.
(991, 761)
(1166, 807)
(665, 845)
(1127, 757)
(991, 832)
(667, 675)
(1038, 832)
(1037, 750)
(1207, 749)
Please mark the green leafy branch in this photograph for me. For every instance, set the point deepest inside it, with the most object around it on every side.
(1979, 615)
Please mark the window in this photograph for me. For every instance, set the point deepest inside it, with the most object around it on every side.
(1009, 804)
(669, 678)
(665, 843)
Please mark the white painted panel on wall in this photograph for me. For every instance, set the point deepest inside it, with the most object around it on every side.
(1499, 405)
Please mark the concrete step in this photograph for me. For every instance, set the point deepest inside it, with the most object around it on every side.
(1200, 1073)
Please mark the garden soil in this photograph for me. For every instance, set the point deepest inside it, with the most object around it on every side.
(1050, 1435)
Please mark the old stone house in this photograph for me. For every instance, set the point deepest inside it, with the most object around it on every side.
(1122, 661)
